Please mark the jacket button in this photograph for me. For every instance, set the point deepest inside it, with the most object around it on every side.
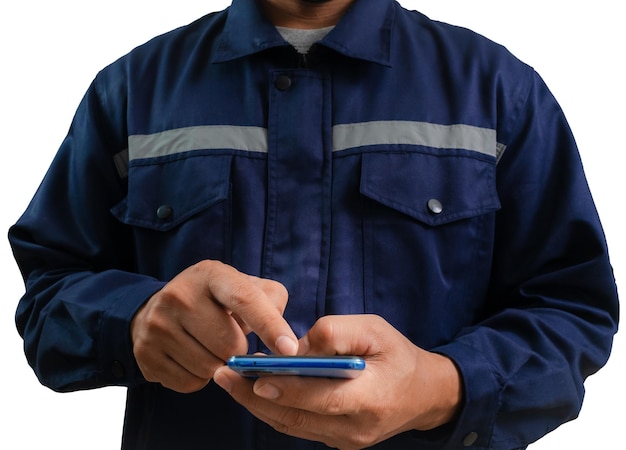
(435, 206)
(164, 212)
(470, 439)
(282, 82)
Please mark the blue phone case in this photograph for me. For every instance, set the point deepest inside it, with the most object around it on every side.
(310, 366)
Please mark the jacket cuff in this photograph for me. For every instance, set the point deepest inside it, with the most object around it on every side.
(117, 361)
(474, 425)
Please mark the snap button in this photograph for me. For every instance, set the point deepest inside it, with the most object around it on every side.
(435, 206)
(470, 439)
(282, 82)
(164, 212)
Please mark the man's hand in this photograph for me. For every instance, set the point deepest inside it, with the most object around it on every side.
(402, 388)
(201, 318)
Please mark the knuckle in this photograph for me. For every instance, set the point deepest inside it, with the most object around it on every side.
(141, 351)
(155, 324)
(377, 413)
(242, 295)
(324, 329)
(275, 290)
(294, 420)
(205, 267)
(206, 368)
(378, 321)
(368, 429)
(194, 385)
(335, 403)
(165, 303)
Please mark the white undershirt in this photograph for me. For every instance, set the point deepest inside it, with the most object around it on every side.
(303, 40)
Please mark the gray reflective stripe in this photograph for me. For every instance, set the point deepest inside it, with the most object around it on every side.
(346, 136)
(482, 140)
(210, 137)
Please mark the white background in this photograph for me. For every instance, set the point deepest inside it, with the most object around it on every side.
(52, 49)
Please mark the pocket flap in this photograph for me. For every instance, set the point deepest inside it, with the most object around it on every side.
(434, 189)
(163, 194)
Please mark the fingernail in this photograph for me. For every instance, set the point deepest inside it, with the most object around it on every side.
(222, 380)
(267, 391)
(286, 345)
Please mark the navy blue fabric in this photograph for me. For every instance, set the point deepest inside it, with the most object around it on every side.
(512, 279)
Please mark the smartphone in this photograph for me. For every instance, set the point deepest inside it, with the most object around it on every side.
(309, 366)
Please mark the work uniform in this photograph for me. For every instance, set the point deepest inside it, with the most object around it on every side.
(403, 167)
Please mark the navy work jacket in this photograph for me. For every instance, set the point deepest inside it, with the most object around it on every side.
(404, 168)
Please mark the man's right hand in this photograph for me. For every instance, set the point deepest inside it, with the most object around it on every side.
(201, 318)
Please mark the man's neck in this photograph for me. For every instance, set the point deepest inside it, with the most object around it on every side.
(304, 14)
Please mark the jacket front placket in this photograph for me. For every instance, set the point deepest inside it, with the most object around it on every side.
(298, 200)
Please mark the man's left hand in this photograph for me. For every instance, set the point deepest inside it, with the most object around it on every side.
(402, 388)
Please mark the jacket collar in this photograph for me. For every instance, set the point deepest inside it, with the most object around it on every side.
(363, 33)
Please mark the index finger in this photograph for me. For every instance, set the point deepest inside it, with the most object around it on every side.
(258, 304)
(358, 334)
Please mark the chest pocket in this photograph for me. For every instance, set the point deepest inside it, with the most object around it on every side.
(433, 189)
(178, 207)
(428, 230)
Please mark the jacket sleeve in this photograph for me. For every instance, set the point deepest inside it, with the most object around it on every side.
(552, 308)
(77, 260)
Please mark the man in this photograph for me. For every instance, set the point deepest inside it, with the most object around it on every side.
(401, 190)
